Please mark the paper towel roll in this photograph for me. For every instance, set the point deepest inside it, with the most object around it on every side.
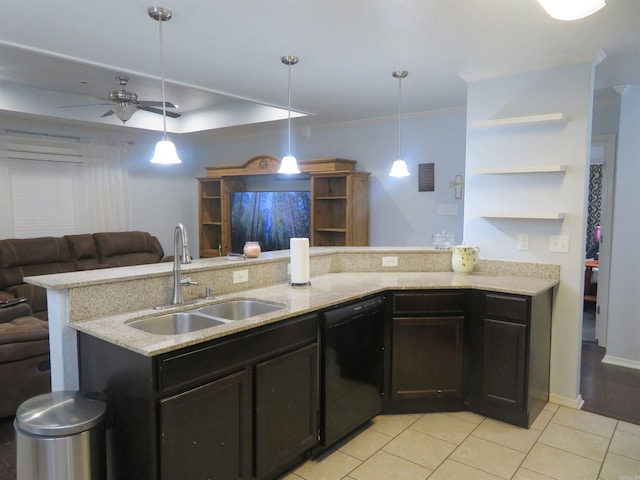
(299, 261)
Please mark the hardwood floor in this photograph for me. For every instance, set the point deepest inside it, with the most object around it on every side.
(609, 390)
(7, 450)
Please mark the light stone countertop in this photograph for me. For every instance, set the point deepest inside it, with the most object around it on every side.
(325, 291)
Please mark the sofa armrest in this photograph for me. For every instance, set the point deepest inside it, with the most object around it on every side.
(17, 310)
(4, 295)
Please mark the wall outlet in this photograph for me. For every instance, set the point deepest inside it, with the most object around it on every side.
(389, 261)
(523, 241)
(240, 276)
(288, 269)
(447, 209)
(559, 243)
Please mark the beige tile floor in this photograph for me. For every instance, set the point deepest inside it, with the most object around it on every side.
(563, 443)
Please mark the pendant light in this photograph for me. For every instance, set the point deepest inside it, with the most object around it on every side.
(165, 152)
(399, 167)
(289, 163)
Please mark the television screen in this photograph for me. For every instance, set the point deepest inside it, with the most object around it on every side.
(271, 218)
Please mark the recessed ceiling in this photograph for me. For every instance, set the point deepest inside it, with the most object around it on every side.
(222, 58)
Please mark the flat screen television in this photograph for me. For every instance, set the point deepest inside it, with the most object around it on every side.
(271, 218)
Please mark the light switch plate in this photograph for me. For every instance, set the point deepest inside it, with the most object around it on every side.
(559, 243)
(523, 241)
(389, 261)
(240, 276)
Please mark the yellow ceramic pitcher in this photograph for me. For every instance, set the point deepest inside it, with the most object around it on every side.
(464, 258)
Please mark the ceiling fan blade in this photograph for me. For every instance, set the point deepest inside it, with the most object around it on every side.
(151, 103)
(83, 105)
(159, 111)
(107, 113)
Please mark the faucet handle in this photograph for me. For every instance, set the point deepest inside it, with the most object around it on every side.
(188, 281)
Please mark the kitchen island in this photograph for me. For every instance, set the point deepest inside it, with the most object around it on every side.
(488, 324)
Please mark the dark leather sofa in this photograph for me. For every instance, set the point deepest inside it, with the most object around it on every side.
(24, 334)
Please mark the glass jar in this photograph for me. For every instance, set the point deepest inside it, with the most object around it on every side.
(252, 249)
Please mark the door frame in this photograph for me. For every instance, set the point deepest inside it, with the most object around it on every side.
(603, 150)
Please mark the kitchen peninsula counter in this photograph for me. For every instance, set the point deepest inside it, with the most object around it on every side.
(338, 275)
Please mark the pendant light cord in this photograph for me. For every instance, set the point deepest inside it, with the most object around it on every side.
(164, 103)
(399, 104)
(289, 98)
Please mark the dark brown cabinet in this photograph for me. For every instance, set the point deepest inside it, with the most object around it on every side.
(211, 426)
(427, 351)
(511, 355)
(286, 413)
(241, 407)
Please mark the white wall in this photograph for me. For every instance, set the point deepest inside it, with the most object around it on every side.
(566, 89)
(623, 334)
(400, 214)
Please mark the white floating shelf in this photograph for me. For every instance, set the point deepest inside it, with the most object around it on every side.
(523, 215)
(542, 119)
(523, 169)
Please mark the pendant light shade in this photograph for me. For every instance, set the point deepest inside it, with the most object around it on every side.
(289, 163)
(571, 9)
(399, 167)
(165, 152)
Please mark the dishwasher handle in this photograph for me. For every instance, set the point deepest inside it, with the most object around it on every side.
(353, 311)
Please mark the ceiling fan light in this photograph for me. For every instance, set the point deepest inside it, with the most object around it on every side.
(289, 165)
(571, 9)
(399, 169)
(124, 112)
(165, 153)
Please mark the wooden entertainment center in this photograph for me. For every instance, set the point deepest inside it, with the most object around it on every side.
(339, 201)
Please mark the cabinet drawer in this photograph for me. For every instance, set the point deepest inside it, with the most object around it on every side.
(436, 303)
(508, 307)
(194, 365)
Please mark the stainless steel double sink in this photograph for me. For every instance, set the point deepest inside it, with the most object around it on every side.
(204, 317)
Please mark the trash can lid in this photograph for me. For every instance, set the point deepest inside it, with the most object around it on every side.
(59, 413)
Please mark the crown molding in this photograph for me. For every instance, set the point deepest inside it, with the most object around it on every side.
(593, 57)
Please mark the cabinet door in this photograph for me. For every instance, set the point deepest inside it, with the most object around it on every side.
(504, 363)
(206, 431)
(286, 409)
(427, 356)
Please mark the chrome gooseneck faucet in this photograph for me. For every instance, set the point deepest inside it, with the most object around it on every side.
(180, 255)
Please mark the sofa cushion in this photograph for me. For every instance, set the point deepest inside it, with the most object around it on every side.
(83, 251)
(121, 249)
(22, 338)
(25, 257)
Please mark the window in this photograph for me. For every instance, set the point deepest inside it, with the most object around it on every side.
(53, 187)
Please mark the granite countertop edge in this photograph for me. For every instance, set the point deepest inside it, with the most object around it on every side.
(324, 291)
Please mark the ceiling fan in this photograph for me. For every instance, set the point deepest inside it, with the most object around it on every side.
(125, 103)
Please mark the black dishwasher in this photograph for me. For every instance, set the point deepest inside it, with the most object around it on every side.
(351, 367)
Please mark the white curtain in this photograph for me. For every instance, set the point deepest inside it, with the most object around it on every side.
(51, 186)
(105, 204)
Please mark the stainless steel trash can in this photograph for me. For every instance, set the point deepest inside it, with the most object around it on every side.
(61, 435)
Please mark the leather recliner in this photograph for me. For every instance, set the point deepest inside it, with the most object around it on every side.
(24, 357)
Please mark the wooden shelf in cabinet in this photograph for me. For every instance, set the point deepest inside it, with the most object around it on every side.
(558, 118)
(330, 229)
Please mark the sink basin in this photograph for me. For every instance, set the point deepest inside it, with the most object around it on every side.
(239, 309)
(175, 323)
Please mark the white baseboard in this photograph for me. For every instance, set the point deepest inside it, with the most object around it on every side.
(621, 362)
(567, 401)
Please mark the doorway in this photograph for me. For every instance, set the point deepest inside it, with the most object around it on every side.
(598, 235)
